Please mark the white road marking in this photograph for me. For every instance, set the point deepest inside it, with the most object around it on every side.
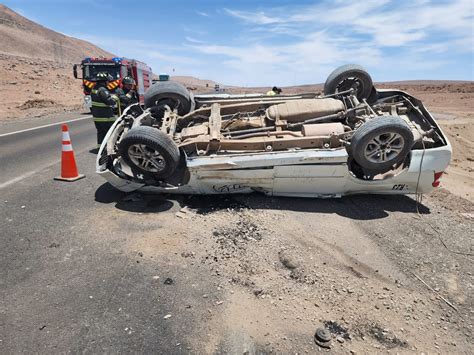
(46, 125)
(31, 173)
(18, 178)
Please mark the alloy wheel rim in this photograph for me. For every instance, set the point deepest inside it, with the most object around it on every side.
(146, 158)
(384, 147)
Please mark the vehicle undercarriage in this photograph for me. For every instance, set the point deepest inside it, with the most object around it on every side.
(377, 129)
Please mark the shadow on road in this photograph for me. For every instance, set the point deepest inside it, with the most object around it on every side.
(132, 202)
(359, 207)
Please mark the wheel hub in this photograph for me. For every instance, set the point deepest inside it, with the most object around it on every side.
(384, 147)
(350, 83)
(146, 158)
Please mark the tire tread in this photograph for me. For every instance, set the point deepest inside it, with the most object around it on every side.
(152, 137)
(169, 89)
(372, 127)
(335, 77)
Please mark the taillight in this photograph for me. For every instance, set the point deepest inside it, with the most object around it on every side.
(436, 181)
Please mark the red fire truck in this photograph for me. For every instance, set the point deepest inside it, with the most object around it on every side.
(118, 68)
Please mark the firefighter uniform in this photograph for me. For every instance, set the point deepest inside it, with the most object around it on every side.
(126, 95)
(102, 108)
(125, 98)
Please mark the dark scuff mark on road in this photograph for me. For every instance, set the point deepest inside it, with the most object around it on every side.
(206, 204)
(337, 329)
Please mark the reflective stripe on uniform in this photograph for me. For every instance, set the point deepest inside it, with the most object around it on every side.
(104, 119)
(99, 104)
(117, 100)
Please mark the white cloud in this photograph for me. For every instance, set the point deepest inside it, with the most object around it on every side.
(202, 13)
(258, 18)
(303, 44)
(387, 22)
(172, 59)
(193, 40)
(304, 61)
(409, 37)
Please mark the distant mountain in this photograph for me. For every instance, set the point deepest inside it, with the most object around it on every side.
(22, 37)
(194, 83)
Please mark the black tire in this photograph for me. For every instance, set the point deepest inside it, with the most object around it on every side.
(346, 77)
(140, 141)
(381, 143)
(373, 97)
(169, 93)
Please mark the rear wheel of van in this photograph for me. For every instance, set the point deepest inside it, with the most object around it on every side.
(381, 143)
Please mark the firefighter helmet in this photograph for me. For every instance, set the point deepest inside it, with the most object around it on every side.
(128, 80)
(103, 76)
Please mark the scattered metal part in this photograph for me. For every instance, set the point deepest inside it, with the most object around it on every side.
(323, 337)
(168, 281)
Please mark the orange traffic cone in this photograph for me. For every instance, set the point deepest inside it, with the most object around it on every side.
(68, 161)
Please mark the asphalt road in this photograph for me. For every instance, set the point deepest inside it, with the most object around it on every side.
(70, 279)
(34, 146)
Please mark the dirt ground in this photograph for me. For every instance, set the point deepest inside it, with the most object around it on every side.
(281, 267)
(453, 107)
(36, 87)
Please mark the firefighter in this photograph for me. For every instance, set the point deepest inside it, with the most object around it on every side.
(103, 105)
(126, 95)
(274, 91)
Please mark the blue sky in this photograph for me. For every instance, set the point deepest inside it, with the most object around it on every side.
(276, 42)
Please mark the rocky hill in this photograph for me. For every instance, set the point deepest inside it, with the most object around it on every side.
(20, 36)
(36, 67)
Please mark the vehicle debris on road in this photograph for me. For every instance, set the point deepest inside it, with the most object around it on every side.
(323, 338)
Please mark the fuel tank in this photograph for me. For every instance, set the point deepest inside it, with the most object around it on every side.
(300, 110)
